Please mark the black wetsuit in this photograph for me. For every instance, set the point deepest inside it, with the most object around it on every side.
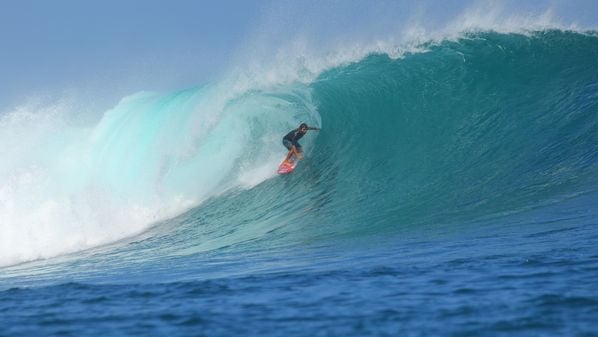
(293, 137)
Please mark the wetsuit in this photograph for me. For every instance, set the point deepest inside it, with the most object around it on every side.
(292, 138)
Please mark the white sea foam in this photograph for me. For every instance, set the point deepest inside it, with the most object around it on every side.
(64, 189)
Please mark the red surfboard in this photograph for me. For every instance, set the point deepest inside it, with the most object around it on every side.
(287, 166)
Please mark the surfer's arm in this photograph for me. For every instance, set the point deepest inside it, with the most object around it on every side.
(313, 128)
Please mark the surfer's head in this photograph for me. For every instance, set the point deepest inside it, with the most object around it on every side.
(303, 127)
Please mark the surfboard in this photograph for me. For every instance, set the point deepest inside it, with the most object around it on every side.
(287, 167)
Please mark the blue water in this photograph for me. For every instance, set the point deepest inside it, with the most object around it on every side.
(450, 192)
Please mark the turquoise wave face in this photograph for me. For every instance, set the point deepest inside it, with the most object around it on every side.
(486, 125)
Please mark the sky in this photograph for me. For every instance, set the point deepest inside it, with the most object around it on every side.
(82, 45)
(103, 50)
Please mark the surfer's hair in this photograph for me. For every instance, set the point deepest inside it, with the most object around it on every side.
(303, 125)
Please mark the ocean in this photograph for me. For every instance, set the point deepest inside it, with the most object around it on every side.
(451, 191)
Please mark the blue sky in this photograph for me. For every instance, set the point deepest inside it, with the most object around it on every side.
(72, 44)
(110, 48)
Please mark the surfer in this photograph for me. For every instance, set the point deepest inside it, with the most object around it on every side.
(290, 141)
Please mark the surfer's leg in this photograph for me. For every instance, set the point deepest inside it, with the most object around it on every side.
(290, 147)
(295, 151)
(287, 144)
(289, 155)
(298, 151)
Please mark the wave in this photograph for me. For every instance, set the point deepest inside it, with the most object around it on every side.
(453, 131)
(484, 127)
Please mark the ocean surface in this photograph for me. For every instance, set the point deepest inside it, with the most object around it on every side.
(452, 191)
